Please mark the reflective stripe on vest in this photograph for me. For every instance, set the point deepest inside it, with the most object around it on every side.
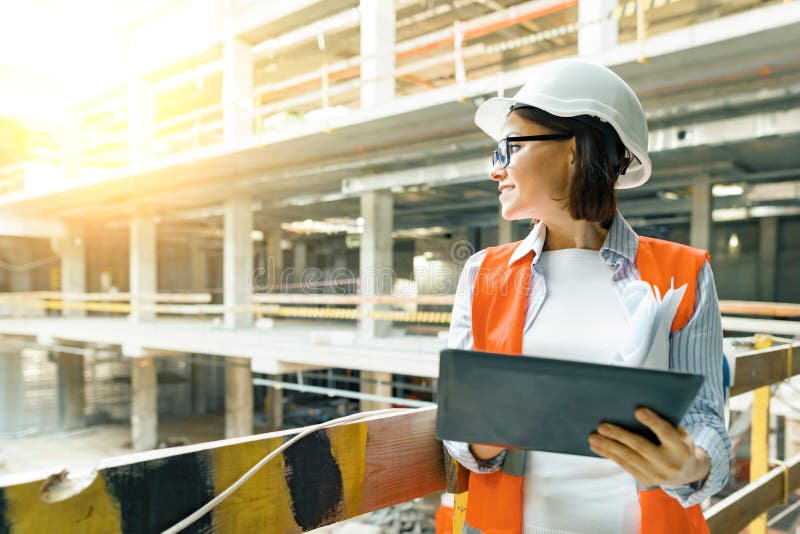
(500, 297)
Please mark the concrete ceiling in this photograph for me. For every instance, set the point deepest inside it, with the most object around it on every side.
(753, 74)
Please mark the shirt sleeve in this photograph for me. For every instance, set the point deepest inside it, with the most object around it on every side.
(697, 348)
(460, 337)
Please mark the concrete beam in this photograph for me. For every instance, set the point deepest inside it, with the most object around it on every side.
(471, 170)
(238, 398)
(691, 135)
(144, 404)
(15, 226)
(143, 266)
(237, 261)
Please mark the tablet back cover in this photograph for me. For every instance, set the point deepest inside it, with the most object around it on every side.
(550, 405)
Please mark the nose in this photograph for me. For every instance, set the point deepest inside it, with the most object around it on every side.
(497, 173)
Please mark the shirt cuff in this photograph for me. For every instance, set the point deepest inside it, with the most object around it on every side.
(715, 447)
(460, 451)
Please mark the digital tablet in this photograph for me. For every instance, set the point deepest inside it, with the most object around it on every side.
(546, 404)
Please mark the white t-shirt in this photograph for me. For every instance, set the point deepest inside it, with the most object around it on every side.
(582, 318)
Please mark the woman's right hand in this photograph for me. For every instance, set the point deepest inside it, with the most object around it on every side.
(485, 452)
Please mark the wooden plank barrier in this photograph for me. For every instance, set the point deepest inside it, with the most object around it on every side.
(331, 475)
(772, 309)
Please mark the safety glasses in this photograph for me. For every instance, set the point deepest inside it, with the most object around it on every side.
(502, 153)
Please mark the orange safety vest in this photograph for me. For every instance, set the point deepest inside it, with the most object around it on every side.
(494, 502)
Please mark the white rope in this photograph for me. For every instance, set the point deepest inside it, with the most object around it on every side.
(210, 505)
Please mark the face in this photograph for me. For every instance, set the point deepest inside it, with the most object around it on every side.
(535, 183)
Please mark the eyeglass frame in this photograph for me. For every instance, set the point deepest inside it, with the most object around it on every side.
(545, 137)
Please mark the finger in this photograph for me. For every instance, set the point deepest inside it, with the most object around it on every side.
(635, 470)
(619, 450)
(649, 451)
(663, 429)
(640, 444)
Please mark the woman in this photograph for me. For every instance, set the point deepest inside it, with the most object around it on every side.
(568, 138)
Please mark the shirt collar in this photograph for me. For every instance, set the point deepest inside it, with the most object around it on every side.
(620, 240)
(534, 241)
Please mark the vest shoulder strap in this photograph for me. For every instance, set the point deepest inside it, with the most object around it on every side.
(499, 300)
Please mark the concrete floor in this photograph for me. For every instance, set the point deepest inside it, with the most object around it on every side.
(288, 347)
(82, 450)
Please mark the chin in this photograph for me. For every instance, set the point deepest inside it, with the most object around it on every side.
(510, 213)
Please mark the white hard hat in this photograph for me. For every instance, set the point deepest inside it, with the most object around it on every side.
(572, 87)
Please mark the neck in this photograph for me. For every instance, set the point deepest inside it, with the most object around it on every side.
(570, 233)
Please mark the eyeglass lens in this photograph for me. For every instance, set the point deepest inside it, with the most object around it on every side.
(500, 154)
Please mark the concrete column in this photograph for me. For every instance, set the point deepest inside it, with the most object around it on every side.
(300, 254)
(144, 404)
(376, 267)
(238, 398)
(200, 389)
(237, 261)
(71, 390)
(767, 258)
(72, 249)
(375, 383)
(12, 391)
(274, 406)
(377, 49)
(505, 229)
(71, 146)
(274, 259)
(198, 264)
(141, 121)
(143, 266)
(700, 225)
(340, 255)
(237, 89)
(596, 33)
(20, 278)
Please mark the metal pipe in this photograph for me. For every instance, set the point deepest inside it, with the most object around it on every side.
(354, 380)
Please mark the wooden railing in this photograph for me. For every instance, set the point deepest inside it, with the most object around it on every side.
(331, 475)
(300, 306)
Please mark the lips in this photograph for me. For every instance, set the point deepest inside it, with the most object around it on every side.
(506, 187)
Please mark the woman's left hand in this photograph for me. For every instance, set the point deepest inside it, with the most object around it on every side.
(677, 461)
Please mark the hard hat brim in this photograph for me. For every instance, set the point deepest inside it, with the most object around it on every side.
(491, 115)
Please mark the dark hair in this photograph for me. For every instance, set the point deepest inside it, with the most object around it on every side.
(592, 196)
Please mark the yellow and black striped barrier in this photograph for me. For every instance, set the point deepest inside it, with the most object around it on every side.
(328, 476)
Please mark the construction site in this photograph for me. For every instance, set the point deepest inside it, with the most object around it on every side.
(225, 221)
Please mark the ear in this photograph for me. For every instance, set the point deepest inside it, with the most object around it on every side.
(572, 152)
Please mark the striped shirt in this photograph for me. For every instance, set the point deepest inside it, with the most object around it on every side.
(696, 348)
